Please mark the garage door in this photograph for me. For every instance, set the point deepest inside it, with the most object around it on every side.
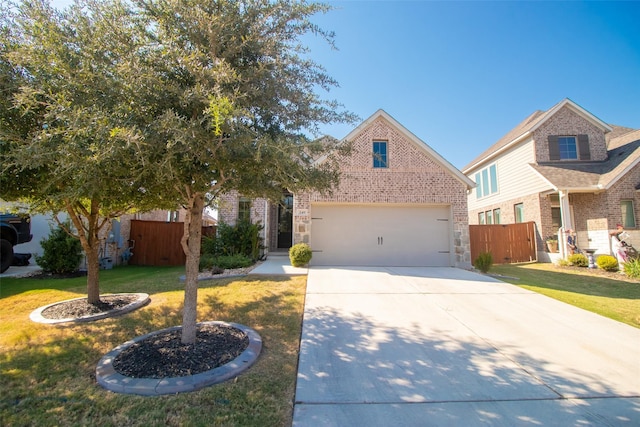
(380, 235)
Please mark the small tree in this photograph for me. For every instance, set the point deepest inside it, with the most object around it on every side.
(67, 143)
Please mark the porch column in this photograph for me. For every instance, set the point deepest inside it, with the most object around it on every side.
(565, 215)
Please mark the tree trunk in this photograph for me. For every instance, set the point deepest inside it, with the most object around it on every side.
(88, 235)
(93, 273)
(191, 241)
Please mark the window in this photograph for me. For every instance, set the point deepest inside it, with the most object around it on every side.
(628, 214)
(556, 218)
(487, 182)
(481, 220)
(519, 212)
(489, 216)
(569, 147)
(496, 216)
(380, 154)
(244, 210)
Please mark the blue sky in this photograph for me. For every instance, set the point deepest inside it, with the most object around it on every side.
(460, 75)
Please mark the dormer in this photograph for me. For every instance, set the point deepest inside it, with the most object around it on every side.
(568, 133)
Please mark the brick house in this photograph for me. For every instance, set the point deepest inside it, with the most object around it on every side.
(563, 168)
(399, 203)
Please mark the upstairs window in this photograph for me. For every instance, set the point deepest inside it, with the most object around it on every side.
(569, 147)
(487, 182)
(380, 154)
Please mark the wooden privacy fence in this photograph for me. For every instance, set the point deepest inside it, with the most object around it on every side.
(158, 243)
(507, 243)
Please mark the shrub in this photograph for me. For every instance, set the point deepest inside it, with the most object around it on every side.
(607, 263)
(300, 254)
(210, 246)
(579, 260)
(242, 238)
(207, 261)
(233, 261)
(483, 262)
(632, 268)
(563, 262)
(62, 252)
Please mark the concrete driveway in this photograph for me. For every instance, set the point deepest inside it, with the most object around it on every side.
(448, 347)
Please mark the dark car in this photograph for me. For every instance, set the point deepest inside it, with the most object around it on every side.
(14, 229)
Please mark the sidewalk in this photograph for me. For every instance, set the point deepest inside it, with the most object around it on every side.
(278, 264)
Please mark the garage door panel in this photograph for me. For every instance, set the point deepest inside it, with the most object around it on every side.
(380, 235)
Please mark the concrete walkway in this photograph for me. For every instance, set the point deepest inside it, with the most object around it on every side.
(448, 347)
(278, 264)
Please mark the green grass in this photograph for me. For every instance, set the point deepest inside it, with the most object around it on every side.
(611, 295)
(47, 373)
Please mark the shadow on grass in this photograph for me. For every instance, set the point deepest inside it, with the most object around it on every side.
(50, 379)
(570, 282)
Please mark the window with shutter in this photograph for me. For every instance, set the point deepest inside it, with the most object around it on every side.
(569, 147)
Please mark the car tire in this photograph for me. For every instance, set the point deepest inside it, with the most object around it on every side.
(6, 255)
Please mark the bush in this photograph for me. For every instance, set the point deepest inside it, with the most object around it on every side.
(483, 262)
(242, 238)
(300, 254)
(223, 262)
(207, 261)
(62, 252)
(607, 262)
(233, 261)
(579, 260)
(632, 268)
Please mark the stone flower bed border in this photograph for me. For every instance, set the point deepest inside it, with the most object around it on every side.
(141, 300)
(112, 380)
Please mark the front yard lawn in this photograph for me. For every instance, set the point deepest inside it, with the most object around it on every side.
(612, 295)
(47, 373)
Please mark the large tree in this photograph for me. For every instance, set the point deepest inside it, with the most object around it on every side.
(239, 96)
(163, 103)
(67, 143)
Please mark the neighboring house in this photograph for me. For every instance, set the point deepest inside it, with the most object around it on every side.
(399, 203)
(563, 169)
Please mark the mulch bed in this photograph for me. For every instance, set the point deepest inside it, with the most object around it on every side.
(81, 307)
(164, 356)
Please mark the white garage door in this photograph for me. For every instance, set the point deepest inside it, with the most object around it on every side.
(380, 235)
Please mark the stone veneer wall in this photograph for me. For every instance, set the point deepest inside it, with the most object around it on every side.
(411, 178)
(568, 122)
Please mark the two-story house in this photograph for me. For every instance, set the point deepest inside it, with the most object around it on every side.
(399, 203)
(564, 169)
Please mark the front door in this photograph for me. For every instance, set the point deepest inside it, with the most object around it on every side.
(285, 222)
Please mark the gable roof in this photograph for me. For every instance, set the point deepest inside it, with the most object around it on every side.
(594, 176)
(421, 145)
(526, 128)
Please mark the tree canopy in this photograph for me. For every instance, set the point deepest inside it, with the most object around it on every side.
(162, 103)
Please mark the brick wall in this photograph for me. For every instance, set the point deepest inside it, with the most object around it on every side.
(412, 177)
(568, 122)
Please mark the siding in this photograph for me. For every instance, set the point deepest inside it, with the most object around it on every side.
(515, 178)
